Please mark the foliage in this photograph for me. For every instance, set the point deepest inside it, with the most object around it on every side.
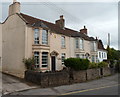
(102, 64)
(29, 63)
(93, 65)
(77, 63)
(113, 54)
(117, 66)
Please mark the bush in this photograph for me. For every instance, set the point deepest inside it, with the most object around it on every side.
(102, 64)
(29, 63)
(93, 65)
(117, 66)
(77, 63)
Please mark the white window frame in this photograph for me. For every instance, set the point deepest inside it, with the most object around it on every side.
(37, 60)
(81, 44)
(99, 54)
(44, 59)
(63, 56)
(77, 43)
(36, 36)
(94, 46)
(44, 37)
(63, 41)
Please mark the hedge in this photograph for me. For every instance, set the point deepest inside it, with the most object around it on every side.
(77, 63)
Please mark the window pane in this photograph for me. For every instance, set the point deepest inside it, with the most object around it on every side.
(81, 44)
(63, 41)
(36, 36)
(77, 43)
(36, 56)
(63, 58)
(44, 59)
(44, 37)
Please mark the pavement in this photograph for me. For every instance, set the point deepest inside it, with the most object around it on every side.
(104, 86)
(12, 84)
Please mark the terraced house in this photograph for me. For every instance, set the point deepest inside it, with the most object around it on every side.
(25, 36)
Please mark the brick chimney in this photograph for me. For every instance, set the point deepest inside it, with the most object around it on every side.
(60, 22)
(14, 8)
(84, 30)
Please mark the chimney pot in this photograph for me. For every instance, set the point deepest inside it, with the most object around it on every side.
(84, 30)
(14, 8)
(60, 22)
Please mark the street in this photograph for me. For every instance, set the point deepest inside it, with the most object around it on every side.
(104, 86)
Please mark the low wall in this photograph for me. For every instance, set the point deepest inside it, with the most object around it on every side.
(48, 79)
(107, 71)
(93, 74)
(66, 76)
(79, 76)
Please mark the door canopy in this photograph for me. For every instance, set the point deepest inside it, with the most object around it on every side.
(54, 53)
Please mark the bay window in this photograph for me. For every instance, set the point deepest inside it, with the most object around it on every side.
(36, 36)
(36, 56)
(44, 59)
(44, 36)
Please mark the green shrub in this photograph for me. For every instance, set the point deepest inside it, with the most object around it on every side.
(117, 66)
(102, 64)
(29, 63)
(77, 63)
(93, 65)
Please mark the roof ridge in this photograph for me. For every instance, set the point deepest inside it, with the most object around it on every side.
(47, 22)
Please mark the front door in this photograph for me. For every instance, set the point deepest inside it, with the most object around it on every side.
(53, 62)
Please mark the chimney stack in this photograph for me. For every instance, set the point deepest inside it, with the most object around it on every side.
(14, 8)
(84, 30)
(60, 22)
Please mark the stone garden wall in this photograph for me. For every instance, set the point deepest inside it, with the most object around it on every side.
(66, 76)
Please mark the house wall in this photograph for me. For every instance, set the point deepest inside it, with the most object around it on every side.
(55, 45)
(87, 49)
(0, 45)
(13, 45)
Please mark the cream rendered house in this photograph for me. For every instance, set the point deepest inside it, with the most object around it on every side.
(50, 43)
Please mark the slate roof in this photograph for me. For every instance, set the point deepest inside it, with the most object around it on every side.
(53, 27)
(35, 22)
(100, 45)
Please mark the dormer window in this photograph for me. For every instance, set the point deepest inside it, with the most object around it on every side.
(44, 37)
(36, 36)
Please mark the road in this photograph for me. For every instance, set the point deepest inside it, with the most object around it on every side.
(104, 86)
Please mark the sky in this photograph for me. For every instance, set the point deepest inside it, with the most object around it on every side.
(99, 16)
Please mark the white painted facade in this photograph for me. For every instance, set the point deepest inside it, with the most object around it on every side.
(102, 55)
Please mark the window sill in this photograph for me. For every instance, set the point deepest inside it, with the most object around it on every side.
(63, 47)
(40, 45)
